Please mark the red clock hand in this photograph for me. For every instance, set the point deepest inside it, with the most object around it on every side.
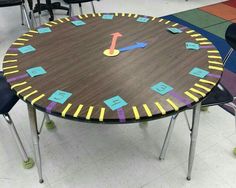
(114, 40)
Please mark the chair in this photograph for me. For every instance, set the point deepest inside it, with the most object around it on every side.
(70, 2)
(21, 3)
(8, 100)
(218, 96)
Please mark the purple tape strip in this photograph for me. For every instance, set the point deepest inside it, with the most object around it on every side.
(206, 47)
(13, 49)
(214, 75)
(50, 107)
(17, 78)
(181, 99)
(183, 28)
(121, 115)
(74, 18)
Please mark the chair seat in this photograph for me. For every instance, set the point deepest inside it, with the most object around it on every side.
(77, 1)
(7, 97)
(230, 35)
(8, 3)
(219, 95)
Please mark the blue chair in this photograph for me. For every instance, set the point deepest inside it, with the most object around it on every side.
(218, 96)
(8, 100)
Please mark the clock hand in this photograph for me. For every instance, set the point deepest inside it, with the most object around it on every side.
(114, 40)
(135, 46)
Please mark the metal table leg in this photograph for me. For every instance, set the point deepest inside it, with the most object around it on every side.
(194, 133)
(35, 139)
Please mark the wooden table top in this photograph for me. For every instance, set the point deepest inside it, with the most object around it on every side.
(74, 61)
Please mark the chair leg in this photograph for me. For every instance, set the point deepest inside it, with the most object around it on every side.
(80, 7)
(49, 123)
(35, 139)
(70, 10)
(22, 16)
(94, 11)
(26, 16)
(168, 136)
(233, 106)
(228, 55)
(27, 162)
(193, 134)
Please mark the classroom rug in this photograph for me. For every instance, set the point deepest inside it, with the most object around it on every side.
(212, 21)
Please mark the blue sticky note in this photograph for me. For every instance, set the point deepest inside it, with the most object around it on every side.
(198, 72)
(174, 30)
(192, 46)
(44, 30)
(161, 88)
(36, 71)
(60, 96)
(107, 16)
(26, 49)
(78, 22)
(115, 103)
(142, 19)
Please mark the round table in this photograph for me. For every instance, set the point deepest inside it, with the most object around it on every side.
(111, 68)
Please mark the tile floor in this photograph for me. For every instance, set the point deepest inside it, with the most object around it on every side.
(113, 156)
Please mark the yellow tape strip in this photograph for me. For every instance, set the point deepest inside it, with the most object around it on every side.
(195, 35)
(163, 112)
(27, 35)
(88, 116)
(190, 31)
(19, 84)
(67, 19)
(136, 15)
(167, 22)
(23, 90)
(136, 113)
(203, 87)
(153, 18)
(80, 16)
(201, 39)
(10, 61)
(214, 57)
(215, 63)
(213, 51)
(116, 14)
(216, 68)
(160, 20)
(191, 96)
(198, 92)
(21, 39)
(30, 94)
(94, 15)
(11, 67)
(18, 44)
(86, 16)
(63, 114)
(55, 23)
(204, 43)
(147, 110)
(47, 24)
(207, 82)
(33, 31)
(12, 72)
(176, 108)
(37, 99)
(123, 14)
(129, 15)
(11, 54)
(102, 112)
(76, 114)
(60, 20)
(175, 24)
(99, 14)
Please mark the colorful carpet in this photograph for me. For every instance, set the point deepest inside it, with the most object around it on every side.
(212, 22)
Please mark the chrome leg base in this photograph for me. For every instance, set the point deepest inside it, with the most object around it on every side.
(28, 164)
(188, 178)
(143, 125)
(49, 123)
(234, 151)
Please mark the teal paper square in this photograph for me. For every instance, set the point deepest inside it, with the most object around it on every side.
(36, 71)
(60, 96)
(107, 16)
(44, 30)
(174, 30)
(142, 19)
(115, 103)
(192, 46)
(78, 23)
(26, 49)
(198, 72)
(161, 88)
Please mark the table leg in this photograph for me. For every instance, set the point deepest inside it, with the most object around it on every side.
(168, 136)
(193, 134)
(35, 139)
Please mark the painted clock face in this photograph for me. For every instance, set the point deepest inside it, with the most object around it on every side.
(113, 68)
